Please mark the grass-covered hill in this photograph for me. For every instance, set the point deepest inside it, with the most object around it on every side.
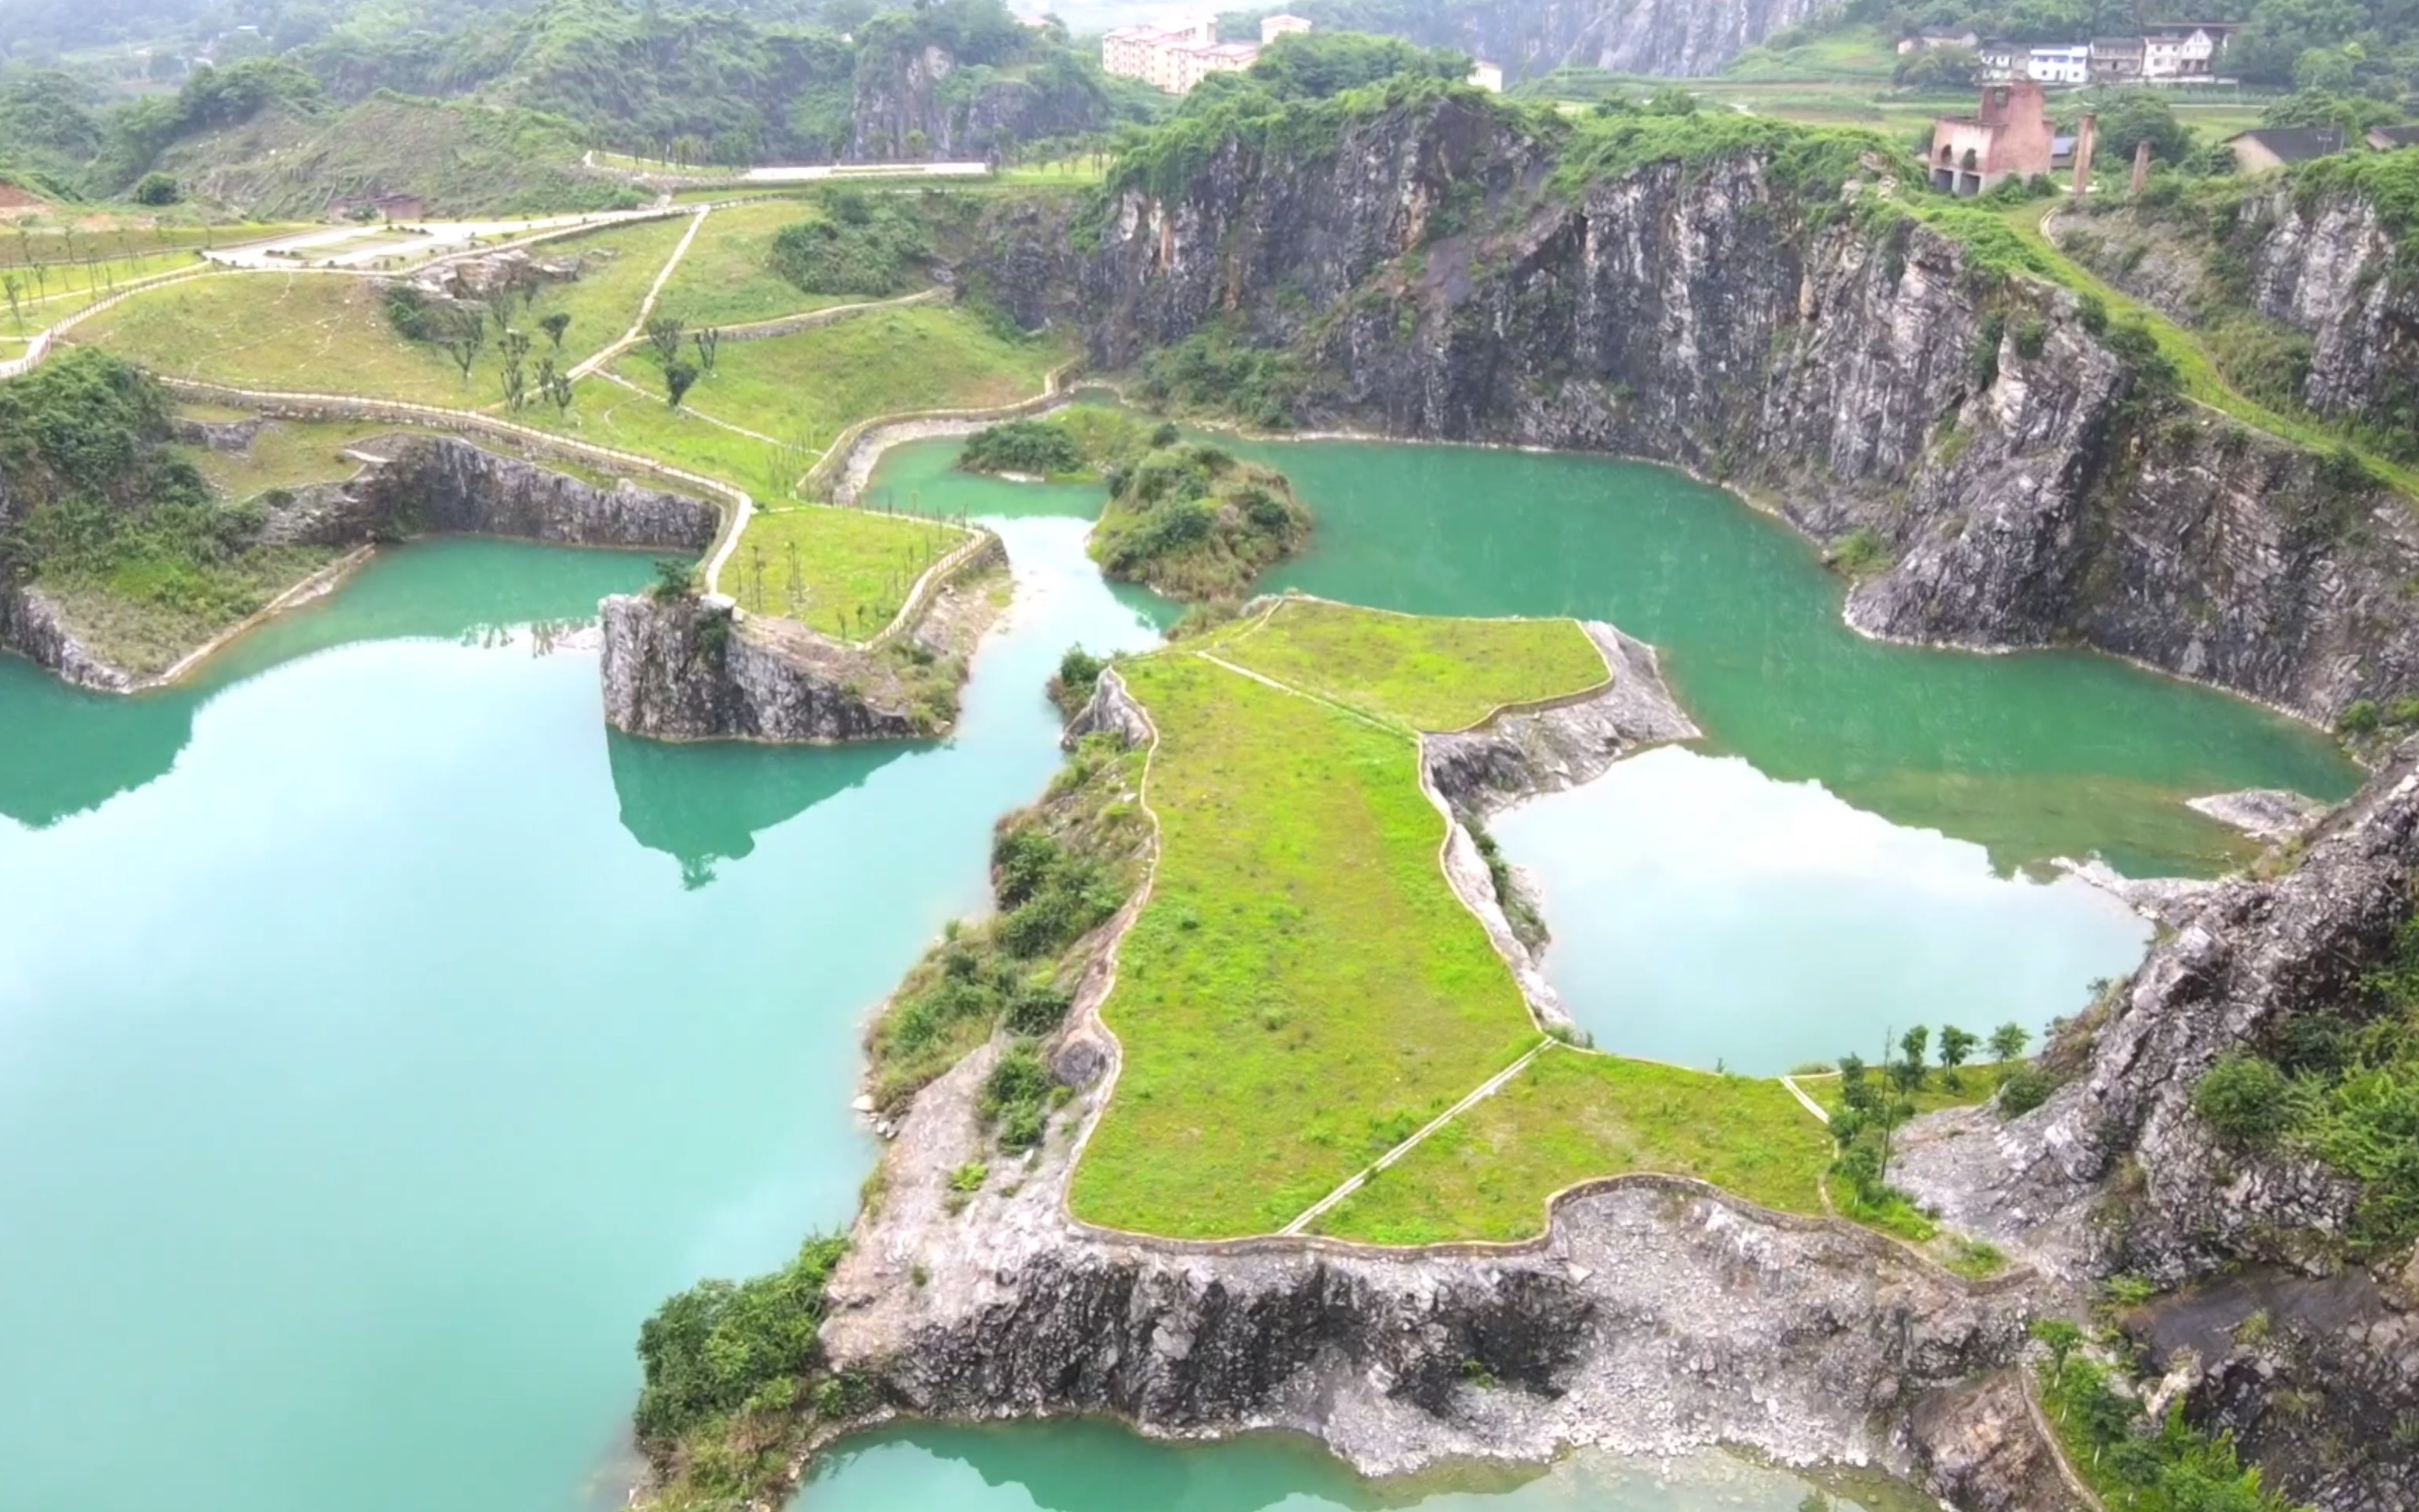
(457, 159)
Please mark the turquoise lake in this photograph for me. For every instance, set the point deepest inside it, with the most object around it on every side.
(380, 1038)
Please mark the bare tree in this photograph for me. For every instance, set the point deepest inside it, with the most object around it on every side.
(515, 358)
(664, 334)
(465, 337)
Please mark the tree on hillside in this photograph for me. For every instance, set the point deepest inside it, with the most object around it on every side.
(554, 326)
(464, 338)
(2138, 118)
(1317, 65)
(664, 335)
(554, 385)
(516, 346)
(1956, 1047)
(10, 283)
(2008, 1042)
(709, 347)
(679, 378)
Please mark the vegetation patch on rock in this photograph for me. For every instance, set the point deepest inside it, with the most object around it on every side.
(1193, 522)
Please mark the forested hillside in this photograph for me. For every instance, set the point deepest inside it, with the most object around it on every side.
(2330, 44)
(773, 80)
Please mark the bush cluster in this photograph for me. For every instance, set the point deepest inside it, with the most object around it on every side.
(863, 244)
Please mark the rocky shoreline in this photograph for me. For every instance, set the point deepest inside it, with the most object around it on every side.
(408, 487)
(1655, 1314)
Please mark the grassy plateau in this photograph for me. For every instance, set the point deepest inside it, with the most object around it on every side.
(1305, 990)
(844, 572)
(1571, 1116)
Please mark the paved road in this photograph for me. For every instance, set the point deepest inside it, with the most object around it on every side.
(326, 247)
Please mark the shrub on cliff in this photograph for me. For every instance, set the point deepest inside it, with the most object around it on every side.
(95, 503)
(723, 1346)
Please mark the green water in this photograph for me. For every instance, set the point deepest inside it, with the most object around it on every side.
(1861, 843)
(380, 1040)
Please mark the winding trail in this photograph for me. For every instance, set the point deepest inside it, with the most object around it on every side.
(647, 306)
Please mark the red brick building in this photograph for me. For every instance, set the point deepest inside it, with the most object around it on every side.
(2009, 139)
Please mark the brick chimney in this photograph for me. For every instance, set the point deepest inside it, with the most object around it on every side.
(2086, 141)
(2141, 166)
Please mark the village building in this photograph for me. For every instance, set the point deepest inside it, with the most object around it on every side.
(2393, 138)
(2279, 147)
(1272, 27)
(2003, 60)
(2065, 64)
(2009, 138)
(1487, 76)
(2186, 54)
(2116, 59)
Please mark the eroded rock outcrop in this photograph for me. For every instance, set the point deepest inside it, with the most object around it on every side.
(681, 668)
(2325, 264)
(32, 626)
(1531, 37)
(2025, 480)
(440, 485)
(2117, 1171)
(924, 103)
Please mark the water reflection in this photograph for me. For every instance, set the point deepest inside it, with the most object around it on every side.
(66, 751)
(1098, 1467)
(706, 804)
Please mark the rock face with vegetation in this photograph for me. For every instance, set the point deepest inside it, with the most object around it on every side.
(1194, 523)
(2005, 465)
(917, 102)
(1530, 38)
(2239, 1121)
(439, 485)
(677, 667)
(2308, 282)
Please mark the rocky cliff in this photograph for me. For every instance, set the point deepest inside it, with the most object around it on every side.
(924, 104)
(439, 485)
(2327, 265)
(2024, 475)
(2118, 1172)
(416, 484)
(1530, 38)
(680, 668)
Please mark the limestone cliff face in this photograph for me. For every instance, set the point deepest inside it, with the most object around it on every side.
(924, 104)
(2330, 269)
(420, 485)
(685, 669)
(32, 626)
(2324, 265)
(437, 485)
(680, 669)
(1530, 38)
(2029, 491)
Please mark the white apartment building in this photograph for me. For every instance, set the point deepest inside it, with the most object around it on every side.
(2059, 65)
(2186, 53)
(1272, 27)
(1173, 58)
(1487, 76)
